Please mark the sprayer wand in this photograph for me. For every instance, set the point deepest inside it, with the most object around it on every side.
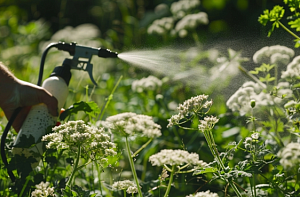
(82, 56)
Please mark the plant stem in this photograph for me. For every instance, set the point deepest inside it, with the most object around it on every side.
(99, 177)
(75, 167)
(289, 31)
(144, 146)
(170, 181)
(133, 168)
(211, 144)
(109, 99)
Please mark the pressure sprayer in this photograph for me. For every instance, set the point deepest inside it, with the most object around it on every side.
(39, 119)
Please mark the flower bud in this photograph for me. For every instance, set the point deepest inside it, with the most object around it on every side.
(252, 103)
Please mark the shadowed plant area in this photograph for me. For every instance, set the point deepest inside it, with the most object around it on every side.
(180, 98)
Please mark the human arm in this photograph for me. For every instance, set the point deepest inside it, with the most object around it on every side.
(16, 93)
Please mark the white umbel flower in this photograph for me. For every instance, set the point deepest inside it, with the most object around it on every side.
(191, 106)
(151, 83)
(293, 69)
(72, 134)
(180, 8)
(191, 21)
(204, 194)
(43, 190)
(273, 54)
(161, 26)
(175, 157)
(289, 156)
(127, 185)
(132, 123)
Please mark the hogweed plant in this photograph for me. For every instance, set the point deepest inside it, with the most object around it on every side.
(80, 141)
(176, 161)
(196, 108)
(128, 125)
(126, 186)
(272, 110)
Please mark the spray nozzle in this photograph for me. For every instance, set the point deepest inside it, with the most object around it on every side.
(82, 56)
(84, 51)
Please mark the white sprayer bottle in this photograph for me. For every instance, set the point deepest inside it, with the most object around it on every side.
(39, 119)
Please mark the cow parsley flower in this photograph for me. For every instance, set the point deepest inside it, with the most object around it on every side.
(204, 194)
(289, 156)
(161, 26)
(191, 21)
(150, 83)
(175, 157)
(273, 54)
(193, 106)
(127, 185)
(76, 133)
(131, 123)
(208, 123)
(240, 101)
(43, 190)
(292, 70)
(180, 8)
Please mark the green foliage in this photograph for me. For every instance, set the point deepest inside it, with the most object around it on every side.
(246, 151)
(275, 15)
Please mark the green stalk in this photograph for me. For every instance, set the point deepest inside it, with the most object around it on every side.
(144, 146)
(99, 178)
(124, 191)
(170, 181)
(75, 167)
(109, 98)
(133, 168)
(289, 31)
(209, 138)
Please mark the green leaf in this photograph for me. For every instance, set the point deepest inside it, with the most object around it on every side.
(295, 24)
(297, 43)
(90, 108)
(206, 170)
(25, 142)
(81, 192)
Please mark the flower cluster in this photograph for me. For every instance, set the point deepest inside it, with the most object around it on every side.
(251, 92)
(292, 70)
(130, 123)
(249, 140)
(240, 101)
(204, 194)
(73, 134)
(150, 83)
(208, 123)
(181, 8)
(161, 26)
(175, 157)
(190, 21)
(127, 185)
(192, 106)
(289, 156)
(43, 190)
(185, 17)
(273, 55)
